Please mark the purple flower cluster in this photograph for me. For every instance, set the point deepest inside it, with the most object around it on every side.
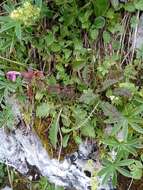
(12, 75)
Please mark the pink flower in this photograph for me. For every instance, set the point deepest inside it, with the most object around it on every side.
(11, 75)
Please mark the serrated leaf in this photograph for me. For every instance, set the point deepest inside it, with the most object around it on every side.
(88, 130)
(43, 110)
(107, 83)
(111, 111)
(53, 132)
(122, 92)
(88, 97)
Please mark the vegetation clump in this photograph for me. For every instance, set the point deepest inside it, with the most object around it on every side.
(76, 69)
(25, 14)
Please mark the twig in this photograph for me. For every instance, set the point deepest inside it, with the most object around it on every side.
(61, 138)
(18, 63)
(61, 144)
(9, 176)
(85, 121)
(130, 184)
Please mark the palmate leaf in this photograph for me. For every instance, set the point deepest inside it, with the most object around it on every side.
(124, 162)
(137, 128)
(129, 117)
(129, 146)
(110, 169)
(124, 172)
(138, 110)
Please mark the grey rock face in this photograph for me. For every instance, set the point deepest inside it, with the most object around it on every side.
(6, 188)
(139, 37)
(23, 150)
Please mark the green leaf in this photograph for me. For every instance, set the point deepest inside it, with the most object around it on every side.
(125, 162)
(138, 4)
(18, 31)
(55, 47)
(88, 130)
(115, 4)
(44, 109)
(125, 129)
(106, 173)
(65, 140)
(7, 117)
(111, 142)
(138, 110)
(137, 128)
(142, 157)
(138, 164)
(124, 172)
(78, 139)
(4, 19)
(66, 130)
(100, 7)
(137, 173)
(49, 38)
(99, 22)
(38, 3)
(106, 38)
(130, 149)
(88, 97)
(7, 26)
(111, 111)
(93, 34)
(130, 7)
(53, 131)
